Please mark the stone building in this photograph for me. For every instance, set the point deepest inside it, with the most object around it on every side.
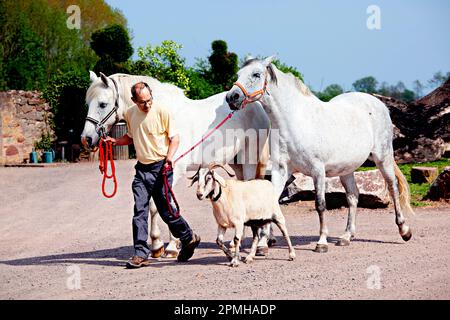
(23, 119)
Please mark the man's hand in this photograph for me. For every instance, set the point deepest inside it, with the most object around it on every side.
(168, 163)
(113, 141)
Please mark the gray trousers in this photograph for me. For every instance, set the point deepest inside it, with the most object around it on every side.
(148, 183)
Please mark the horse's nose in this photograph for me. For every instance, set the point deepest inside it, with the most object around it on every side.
(89, 142)
(232, 97)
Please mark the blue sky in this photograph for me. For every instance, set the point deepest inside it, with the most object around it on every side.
(328, 41)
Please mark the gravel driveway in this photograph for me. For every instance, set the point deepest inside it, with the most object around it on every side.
(60, 239)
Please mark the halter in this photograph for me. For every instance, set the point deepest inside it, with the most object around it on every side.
(252, 97)
(100, 125)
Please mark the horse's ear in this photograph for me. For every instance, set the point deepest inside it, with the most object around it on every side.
(249, 57)
(268, 60)
(92, 76)
(105, 79)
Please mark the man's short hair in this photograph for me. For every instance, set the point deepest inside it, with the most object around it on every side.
(137, 88)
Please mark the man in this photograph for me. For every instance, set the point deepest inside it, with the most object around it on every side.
(151, 130)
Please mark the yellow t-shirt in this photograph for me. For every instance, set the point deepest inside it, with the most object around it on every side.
(150, 132)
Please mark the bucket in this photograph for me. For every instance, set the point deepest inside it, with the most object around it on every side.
(47, 157)
(33, 157)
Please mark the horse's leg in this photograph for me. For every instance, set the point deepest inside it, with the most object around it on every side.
(279, 178)
(387, 168)
(352, 194)
(157, 247)
(319, 185)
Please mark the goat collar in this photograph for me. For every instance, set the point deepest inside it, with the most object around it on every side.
(216, 198)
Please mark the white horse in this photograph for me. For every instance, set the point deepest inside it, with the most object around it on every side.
(108, 98)
(323, 139)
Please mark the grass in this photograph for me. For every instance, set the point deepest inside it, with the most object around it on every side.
(418, 190)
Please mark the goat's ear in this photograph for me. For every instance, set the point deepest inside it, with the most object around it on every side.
(218, 178)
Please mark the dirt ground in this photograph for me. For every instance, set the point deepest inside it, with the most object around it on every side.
(60, 239)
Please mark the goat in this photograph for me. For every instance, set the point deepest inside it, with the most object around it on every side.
(237, 204)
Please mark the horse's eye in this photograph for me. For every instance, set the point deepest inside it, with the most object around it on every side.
(103, 105)
(257, 75)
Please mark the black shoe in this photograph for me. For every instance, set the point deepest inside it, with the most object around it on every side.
(187, 250)
(137, 262)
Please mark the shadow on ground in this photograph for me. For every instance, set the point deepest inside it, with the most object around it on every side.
(117, 257)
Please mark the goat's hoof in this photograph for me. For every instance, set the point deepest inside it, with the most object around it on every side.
(291, 257)
(271, 242)
(262, 251)
(321, 248)
(170, 254)
(157, 253)
(234, 263)
(248, 260)
(343, 242)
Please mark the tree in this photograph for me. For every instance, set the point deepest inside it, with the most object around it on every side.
(112, 45)
(162, 62)
(330, 92)
(438, 79)
(65, 94)
(367, 85)
(224, 65)
(418, 88)
(25, 67)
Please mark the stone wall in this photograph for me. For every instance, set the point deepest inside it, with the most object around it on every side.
(23, 117)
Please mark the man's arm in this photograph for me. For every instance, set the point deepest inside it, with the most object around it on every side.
(173, 147)
(122, 141)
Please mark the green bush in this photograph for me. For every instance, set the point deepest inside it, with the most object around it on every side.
(45, 143)
(164, 63)
(65, 94)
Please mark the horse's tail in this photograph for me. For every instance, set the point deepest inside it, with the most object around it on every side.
(262, 160)
(404, 193)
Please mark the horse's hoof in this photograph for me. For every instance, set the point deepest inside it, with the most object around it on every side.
(262, 251)
(271, 242)
(321, 248)
(343, 243)
(157, 252)
(169, 254)
(407, 236)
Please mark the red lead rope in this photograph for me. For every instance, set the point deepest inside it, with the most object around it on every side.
(167, 188)
(105, 155)
(105, 151)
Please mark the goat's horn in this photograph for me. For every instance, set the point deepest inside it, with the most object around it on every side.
(196, 174)
(225, 167)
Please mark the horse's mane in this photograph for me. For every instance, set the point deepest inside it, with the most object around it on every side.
(304, 90)
(127, 80)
